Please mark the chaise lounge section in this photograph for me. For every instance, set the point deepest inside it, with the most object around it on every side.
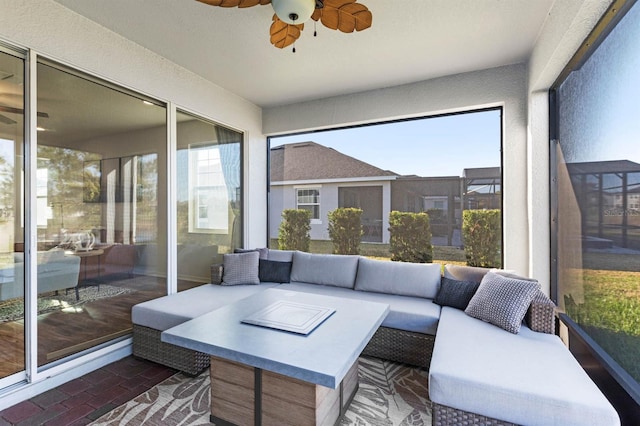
(479, 373)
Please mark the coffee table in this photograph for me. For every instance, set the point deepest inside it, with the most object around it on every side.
(261, 375)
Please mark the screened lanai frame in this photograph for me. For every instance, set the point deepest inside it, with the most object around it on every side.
(464, 186)
(592, 177)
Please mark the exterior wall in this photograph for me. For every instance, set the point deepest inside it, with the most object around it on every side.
(284, 197)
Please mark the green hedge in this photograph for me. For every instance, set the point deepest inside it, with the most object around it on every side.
(482, 237)
(410, 239)
(345, 230)
(293, 233)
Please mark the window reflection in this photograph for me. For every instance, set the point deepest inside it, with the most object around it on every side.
(209, 197)
(100, 181)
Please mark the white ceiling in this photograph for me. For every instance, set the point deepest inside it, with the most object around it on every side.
(409, 41)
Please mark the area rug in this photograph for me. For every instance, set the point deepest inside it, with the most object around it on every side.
(390, 394)
(13, 309)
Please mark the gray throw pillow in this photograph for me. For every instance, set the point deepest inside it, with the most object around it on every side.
(273, 271)
(241, 268)
(455, 293)
(502, 301)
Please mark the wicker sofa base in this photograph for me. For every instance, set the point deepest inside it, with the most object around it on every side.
(147, 345)
(441, 415)
(401, 346)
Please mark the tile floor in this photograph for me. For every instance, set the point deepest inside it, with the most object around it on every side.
(85, 399)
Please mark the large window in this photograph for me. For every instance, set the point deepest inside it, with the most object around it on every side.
(595, 187)
(442, 165)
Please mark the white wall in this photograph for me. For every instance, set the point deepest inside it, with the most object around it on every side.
(60, 34)
(504, 86)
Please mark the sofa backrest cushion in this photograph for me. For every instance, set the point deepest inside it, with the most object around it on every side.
(401, 278)
(465, 273)
(280, 255)
(327, 269)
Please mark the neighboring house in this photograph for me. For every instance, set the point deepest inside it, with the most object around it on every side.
(311, 176)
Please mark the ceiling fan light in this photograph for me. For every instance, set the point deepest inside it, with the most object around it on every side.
(294, 11)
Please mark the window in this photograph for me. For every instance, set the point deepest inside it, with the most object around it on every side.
(309, 199)
(595, 173)
(442, 165)
(209, 191)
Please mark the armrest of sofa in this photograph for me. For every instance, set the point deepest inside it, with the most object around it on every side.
(216, 273)
(541, 315)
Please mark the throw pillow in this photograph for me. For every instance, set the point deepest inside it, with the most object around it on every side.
(456, 294)
(264, 252)
(274, 272)
(502, 301)
(241, 268)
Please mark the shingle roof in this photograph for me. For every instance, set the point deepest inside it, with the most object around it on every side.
(312, 161)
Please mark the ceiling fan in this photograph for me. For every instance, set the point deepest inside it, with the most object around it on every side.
(290, 16)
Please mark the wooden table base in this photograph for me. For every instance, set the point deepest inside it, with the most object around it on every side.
(248, 396)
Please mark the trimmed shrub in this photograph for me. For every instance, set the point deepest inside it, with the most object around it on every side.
(345, 230)
(410, 237)
(293, 233)
(481, 234)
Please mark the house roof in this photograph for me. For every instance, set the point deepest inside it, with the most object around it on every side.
(305, 161)
(613, 166)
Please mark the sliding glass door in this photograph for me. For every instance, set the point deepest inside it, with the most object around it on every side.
(101, 188)
(12, 332)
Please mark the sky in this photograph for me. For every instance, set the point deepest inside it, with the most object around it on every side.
(439, 146)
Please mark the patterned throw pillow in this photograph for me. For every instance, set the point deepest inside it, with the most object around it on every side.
(241, 268)
(264, 252)
(454, 293)
(273, 271)
(502, 301)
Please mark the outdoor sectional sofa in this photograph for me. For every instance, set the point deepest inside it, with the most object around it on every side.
(478, 373)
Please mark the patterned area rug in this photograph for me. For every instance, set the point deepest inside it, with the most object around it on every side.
(13, 309)
(390, 394)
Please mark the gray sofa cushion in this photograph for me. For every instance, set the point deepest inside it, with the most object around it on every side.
(465, 273)
(401, 278)
(502, 301)
(535, 381)
(280, 255)
(456, 294)
(169, 311)
(241, 268)
(326, 269)
(405, 313)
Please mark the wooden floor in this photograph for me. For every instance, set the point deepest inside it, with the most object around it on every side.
(66, 332)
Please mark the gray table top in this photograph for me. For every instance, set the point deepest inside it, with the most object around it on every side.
(322, 357)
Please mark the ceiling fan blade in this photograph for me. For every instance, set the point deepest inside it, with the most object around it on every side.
(6, 120)
(344, 15)
(235, 3)
(20, 111)
(283, 34)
